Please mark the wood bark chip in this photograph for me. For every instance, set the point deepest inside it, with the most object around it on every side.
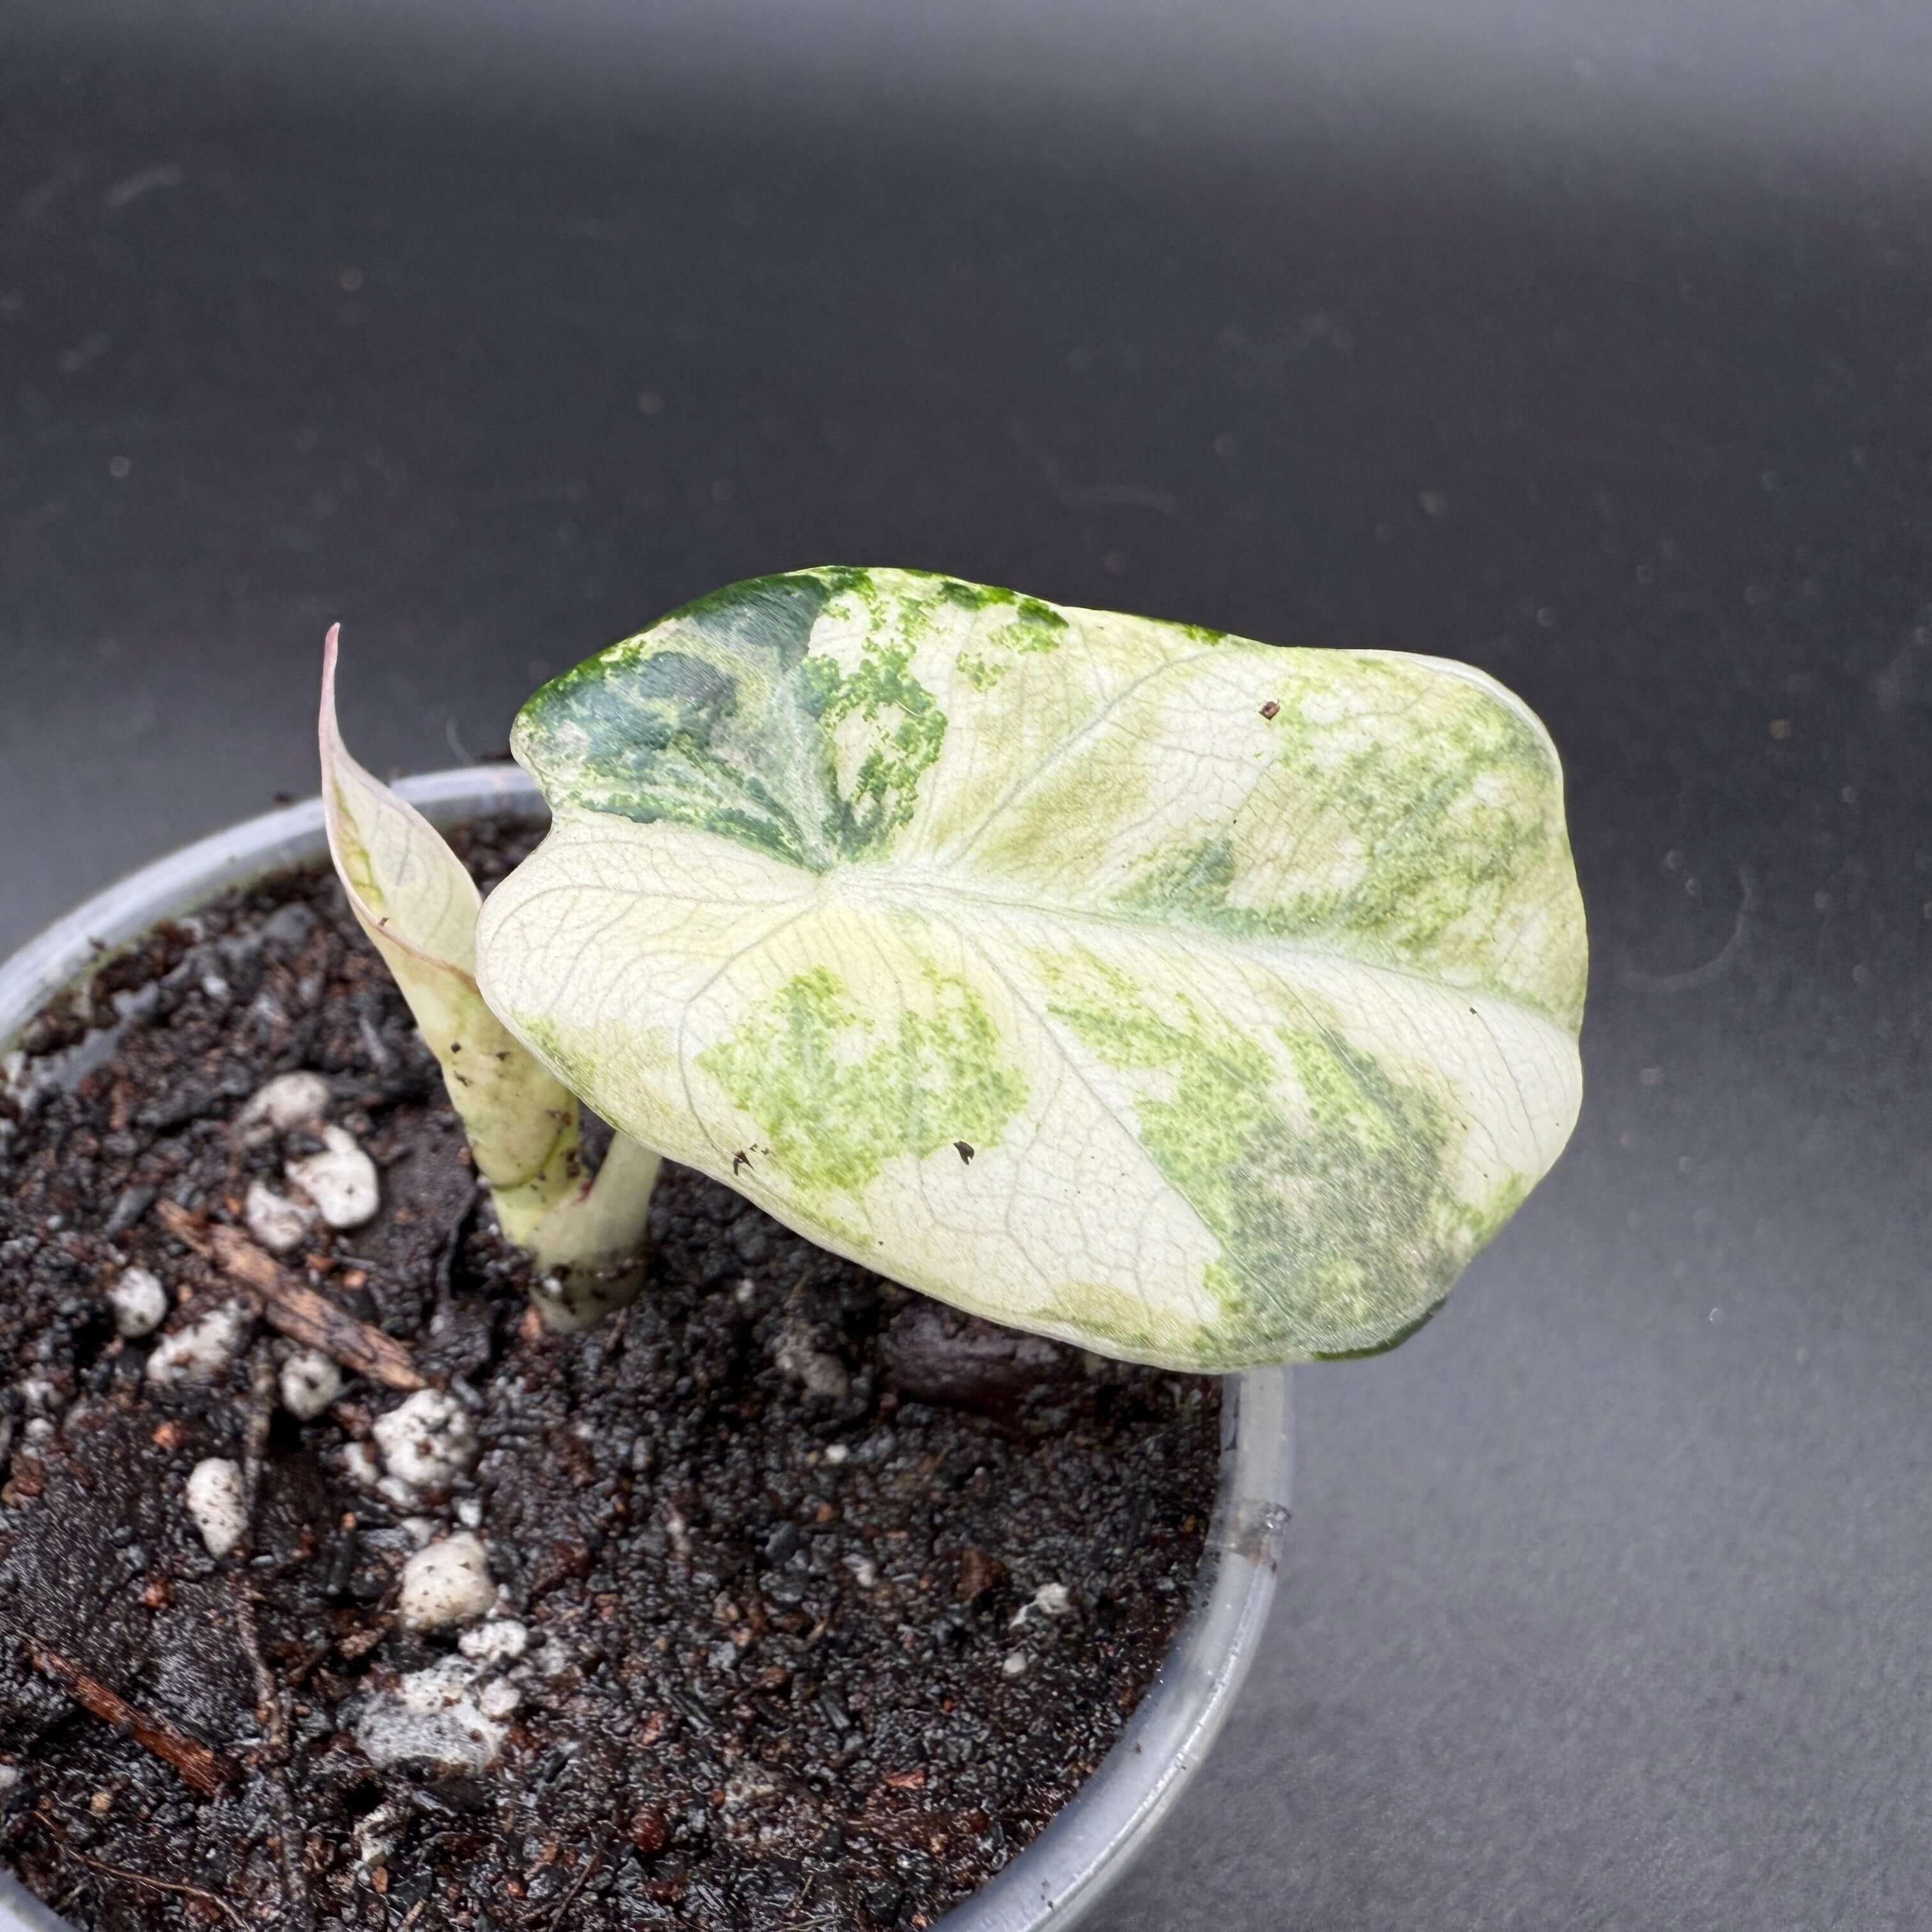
(978, 1573)
(292, 1306)
(204, 1770)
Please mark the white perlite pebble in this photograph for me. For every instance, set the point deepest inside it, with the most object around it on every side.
(379, 1834)
(203, 1349)
(278, 1222)
(285, 1101)
(1014, 1663)
(10, 1776)
(498, 1700)
(214, 1502)
(1050, 1599)
(139, 1300)
(340, 1180)
(309, 1382)
(501, 1640)
(678, 1530)
(430, 1717)
(427, 1441)
(448, 1582)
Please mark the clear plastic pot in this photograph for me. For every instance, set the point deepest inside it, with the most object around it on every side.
(1058, 1878)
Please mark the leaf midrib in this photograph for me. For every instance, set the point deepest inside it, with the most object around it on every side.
(909, 885)
(943, 887)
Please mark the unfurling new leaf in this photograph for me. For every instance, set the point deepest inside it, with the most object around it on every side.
(413, 896)
(1250, 977)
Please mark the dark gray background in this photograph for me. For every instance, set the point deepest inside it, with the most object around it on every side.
(1594, 350)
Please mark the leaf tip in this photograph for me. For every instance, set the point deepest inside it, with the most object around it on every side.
(329, 731)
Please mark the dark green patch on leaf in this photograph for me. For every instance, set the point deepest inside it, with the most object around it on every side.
(1395, 1341)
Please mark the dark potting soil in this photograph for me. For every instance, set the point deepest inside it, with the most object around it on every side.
(828, 1597)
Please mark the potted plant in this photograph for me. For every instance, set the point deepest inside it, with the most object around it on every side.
(1180, 1000)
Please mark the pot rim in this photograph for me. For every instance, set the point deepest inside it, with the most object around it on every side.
(1094, 1836)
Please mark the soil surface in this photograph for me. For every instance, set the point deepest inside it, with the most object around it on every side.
(813, 1599)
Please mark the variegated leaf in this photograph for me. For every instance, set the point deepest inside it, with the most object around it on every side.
(1204, 1002)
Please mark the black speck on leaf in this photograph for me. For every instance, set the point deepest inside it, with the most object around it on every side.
(1270, 708)
(740, 1158)
(965, 1151)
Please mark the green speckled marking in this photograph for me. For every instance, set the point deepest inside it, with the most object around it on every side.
(721, 716)
(908, 729)
(1036, 628)
(981, 675)
(834, 1108)
(1445, 868)
(1193, 885)
(702, 720)
(1031, 629)
(1025, 637)
(1043, 627)
(1410, 799)
(1029, 614)
(972, 596)
(1336, 1224)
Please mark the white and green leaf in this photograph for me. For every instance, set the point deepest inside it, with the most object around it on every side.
(417, 902)
(1204, 1002)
